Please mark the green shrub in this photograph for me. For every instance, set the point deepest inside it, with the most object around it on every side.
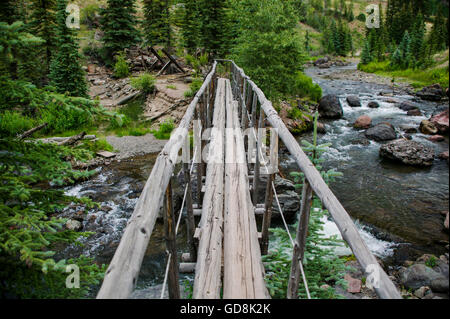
(361, 17)
(194, 87)
(88, 14)
(145, 82)
(121, 68)
(14, 123)
(304, 87)
(96, 146)
(165, 128)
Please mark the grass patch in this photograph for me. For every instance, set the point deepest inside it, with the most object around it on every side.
(194, 87)
(171, 86)
(416, 77)
(164, 130)
(145, 83)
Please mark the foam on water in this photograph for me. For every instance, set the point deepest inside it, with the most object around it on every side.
(377, 246)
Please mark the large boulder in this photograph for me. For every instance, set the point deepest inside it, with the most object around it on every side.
(330, 107)
(420, 275)
(407, 106)
(353, 101)
(408, 152)
(440, 121)
(381, 132)
(363, 122)
(321, 61)
(373, 105)
(431, 93)
(428, 128)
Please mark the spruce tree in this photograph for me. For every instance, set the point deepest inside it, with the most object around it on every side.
(119, 25)
(190, 28)
(66, 73)
(215, 27)
(42, 24)
(157, 22)
(366, 56)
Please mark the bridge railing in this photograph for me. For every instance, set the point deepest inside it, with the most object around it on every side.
(122, 273)
(248, 96)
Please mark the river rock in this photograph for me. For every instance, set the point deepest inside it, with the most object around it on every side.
(436, 138)
(444, 156)
(381, 132)
(373, 105)
(354, 285)
(446, 221)
(290, 204)
(353, 101)
(414, 112)
(408, 152)
(74, 225)
(421, 292)
(420, 275)
(406, 106)
(440, 121)
(321, 128)
(431, 93)
(427, 127)
(363, 122)
(321, 61)
(330, 107)
(408, 129)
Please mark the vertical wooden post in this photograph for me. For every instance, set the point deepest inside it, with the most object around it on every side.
(257, 167)
(300, 241)
(269, 193)
(199, 156)
(169, 226)
(190, 220)
(251, 136)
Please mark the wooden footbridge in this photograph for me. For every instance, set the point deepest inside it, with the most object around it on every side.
(226, 247)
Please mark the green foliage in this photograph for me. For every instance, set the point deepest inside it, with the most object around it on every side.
(215, 25)
(121, 68)
(268, 46)
(156, 22)
(66, 73)
(43, 24)
(12, 123)
(88, 15)
(119, 24)
(194, 87)
(320, 265)
(337, 39)
(197, 63)
(145, 82)
(190, 30)
(304, 87)
(28, 226)
(165, 128)
(96, 146)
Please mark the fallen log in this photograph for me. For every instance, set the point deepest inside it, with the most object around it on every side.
(30, 132)
(72, 140)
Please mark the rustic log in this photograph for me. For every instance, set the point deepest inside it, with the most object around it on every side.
(300, 242)
(173, 60)
(28, 133)
(72, 140)
(207, 282)
(170, 234)
(243, 268)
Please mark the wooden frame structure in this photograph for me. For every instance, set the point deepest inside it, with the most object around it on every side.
(121, 275)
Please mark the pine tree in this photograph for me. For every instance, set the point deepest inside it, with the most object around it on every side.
(215, 27)
(156, 22)
(42, 24)
(438, 39)
(119, 25)
(190, 28)
(66, 73)
(366, 56)
(272, 67)
(307, 42)
(11, 11)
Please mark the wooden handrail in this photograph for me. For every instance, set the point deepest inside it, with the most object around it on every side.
(383, 285)
(122, 273)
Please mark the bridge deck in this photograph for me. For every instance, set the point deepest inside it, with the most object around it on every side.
(228, 213)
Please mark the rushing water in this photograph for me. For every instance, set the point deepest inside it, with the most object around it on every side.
(398, 200)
